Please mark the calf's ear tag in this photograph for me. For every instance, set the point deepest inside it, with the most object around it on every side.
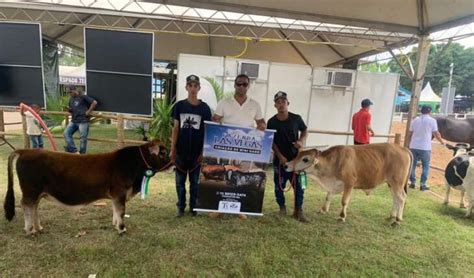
(149, 173)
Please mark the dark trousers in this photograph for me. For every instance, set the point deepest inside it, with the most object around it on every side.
(281, 177)
(187, 168)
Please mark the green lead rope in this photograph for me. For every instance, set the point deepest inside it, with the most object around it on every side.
(146, 183)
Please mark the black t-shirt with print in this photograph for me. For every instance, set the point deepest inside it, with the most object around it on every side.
(191, 132)
(287, 132)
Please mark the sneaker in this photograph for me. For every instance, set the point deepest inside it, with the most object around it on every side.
(180, 213)
(282, 212)
(299, 215)
(412, 185)
(424, 188)
(242, 217)
(215, 214)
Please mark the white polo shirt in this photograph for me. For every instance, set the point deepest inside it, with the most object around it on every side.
(422, 128)
(236, 114)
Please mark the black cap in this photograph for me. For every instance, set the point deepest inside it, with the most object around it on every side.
(280, 94)
(71, 88)
(366, 103)
(192, 78)
(425, 109)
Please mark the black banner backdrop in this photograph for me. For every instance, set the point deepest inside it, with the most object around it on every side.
(119, 70)
(21, 73)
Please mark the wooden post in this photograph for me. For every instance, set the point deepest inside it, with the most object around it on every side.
(2, 123)
(398, 138)
(120, 131)
(421, 61)
(26, 138)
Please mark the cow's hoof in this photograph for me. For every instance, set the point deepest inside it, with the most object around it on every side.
(342, 219)
(445, 203)
(32, 232)
(396, 224)
(323, 211)
(390, 218)
(121, 232)
(462, 206)
(467, 215)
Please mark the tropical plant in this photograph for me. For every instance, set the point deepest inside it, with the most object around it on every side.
(55, 103)
(218, 90)
(162, 122)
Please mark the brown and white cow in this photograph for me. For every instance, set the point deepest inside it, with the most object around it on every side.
(74, 180)
(343, 168)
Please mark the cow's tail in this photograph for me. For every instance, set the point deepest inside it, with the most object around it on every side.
(410, 165)
(9, 204)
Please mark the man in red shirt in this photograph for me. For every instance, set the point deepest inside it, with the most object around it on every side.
(361, 124)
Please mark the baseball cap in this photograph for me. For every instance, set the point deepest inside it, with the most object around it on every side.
(366, 103)
(192, 78)
(280, 94)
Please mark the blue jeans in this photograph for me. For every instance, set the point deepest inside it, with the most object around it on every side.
(83, 132)
(280, 177)
(425, 157)
(181, 187)
(36, 141)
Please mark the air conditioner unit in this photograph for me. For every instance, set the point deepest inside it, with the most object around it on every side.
(326, 78)
(340, 78)
(250, 69)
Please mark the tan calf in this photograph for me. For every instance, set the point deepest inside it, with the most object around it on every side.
(343, 168)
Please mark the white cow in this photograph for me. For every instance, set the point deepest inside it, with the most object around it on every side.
(459, 175)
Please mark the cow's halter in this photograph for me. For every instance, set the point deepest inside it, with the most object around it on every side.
(148, 165)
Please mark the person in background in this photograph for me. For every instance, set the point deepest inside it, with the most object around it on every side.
(187, 141)
(80, 107)
(361, 123)
(422, 130)
(33, 128)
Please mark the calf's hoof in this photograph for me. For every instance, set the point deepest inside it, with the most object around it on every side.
(342, 219)
(122, 231)
(462, 206)
(322, 211)
(396, 224)
(31, 232)
(445, 203)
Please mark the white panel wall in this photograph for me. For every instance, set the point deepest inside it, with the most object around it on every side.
(329, 110)
(293, 79)
(202, 66)
(323, 109)
(380, 88)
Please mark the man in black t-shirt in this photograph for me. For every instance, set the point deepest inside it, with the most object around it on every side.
(187, 143)
(80, 106)
(286, 143)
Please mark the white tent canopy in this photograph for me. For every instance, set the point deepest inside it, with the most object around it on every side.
(428, 95)
(314, 32)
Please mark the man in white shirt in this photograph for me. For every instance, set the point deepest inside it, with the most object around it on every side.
(422, 130)
(240, 110)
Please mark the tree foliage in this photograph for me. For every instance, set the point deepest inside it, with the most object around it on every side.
(437, 70)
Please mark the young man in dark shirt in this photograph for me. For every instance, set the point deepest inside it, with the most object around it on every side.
(80, 106)
(291, 132)
(187, 143)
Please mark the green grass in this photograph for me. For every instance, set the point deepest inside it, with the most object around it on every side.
(434, 240)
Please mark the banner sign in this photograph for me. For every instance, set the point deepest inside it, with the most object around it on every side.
(233, 171)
